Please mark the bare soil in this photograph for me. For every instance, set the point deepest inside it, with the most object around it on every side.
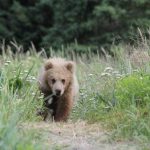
(77, 136)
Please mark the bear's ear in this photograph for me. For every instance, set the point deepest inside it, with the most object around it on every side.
(48, 65)
(70, 66)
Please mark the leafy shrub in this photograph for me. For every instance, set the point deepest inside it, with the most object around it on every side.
(55, 22)
(133, 90)
(130, 116)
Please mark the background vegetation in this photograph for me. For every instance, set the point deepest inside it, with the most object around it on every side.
(92, 23)
(114, 91)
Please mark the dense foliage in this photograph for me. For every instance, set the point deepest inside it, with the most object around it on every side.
(54, 22)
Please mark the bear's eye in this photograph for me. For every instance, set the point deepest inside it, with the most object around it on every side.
(53, 81)
(63, 81)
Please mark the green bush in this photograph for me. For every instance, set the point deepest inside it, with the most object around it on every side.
(54, 22)
(133, 90)
(130, 116)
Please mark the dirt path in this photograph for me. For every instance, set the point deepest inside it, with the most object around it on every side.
(78, 136)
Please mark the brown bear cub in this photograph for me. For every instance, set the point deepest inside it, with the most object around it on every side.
(58, 83)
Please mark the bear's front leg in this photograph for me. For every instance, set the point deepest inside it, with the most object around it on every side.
(63, 109)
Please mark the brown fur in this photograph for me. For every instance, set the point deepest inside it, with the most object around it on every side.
(58, 74)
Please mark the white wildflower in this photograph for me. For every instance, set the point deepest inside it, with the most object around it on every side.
(108, 69)
(8, 61)
(25, 71)
(118, 77)
(6, 64)
(136, 70)
(90, 74)
(33, 93)
(41, 97)
(115, 72)
(105, 74)
(33, 78)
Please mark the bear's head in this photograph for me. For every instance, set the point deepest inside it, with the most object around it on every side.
(59, 76)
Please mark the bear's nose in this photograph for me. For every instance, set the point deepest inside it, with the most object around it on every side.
(58, 92)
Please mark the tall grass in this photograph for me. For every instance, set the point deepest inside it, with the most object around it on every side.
(18, 101)
(114, 90)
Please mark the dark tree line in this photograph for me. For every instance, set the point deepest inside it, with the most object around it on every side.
(55, 22)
